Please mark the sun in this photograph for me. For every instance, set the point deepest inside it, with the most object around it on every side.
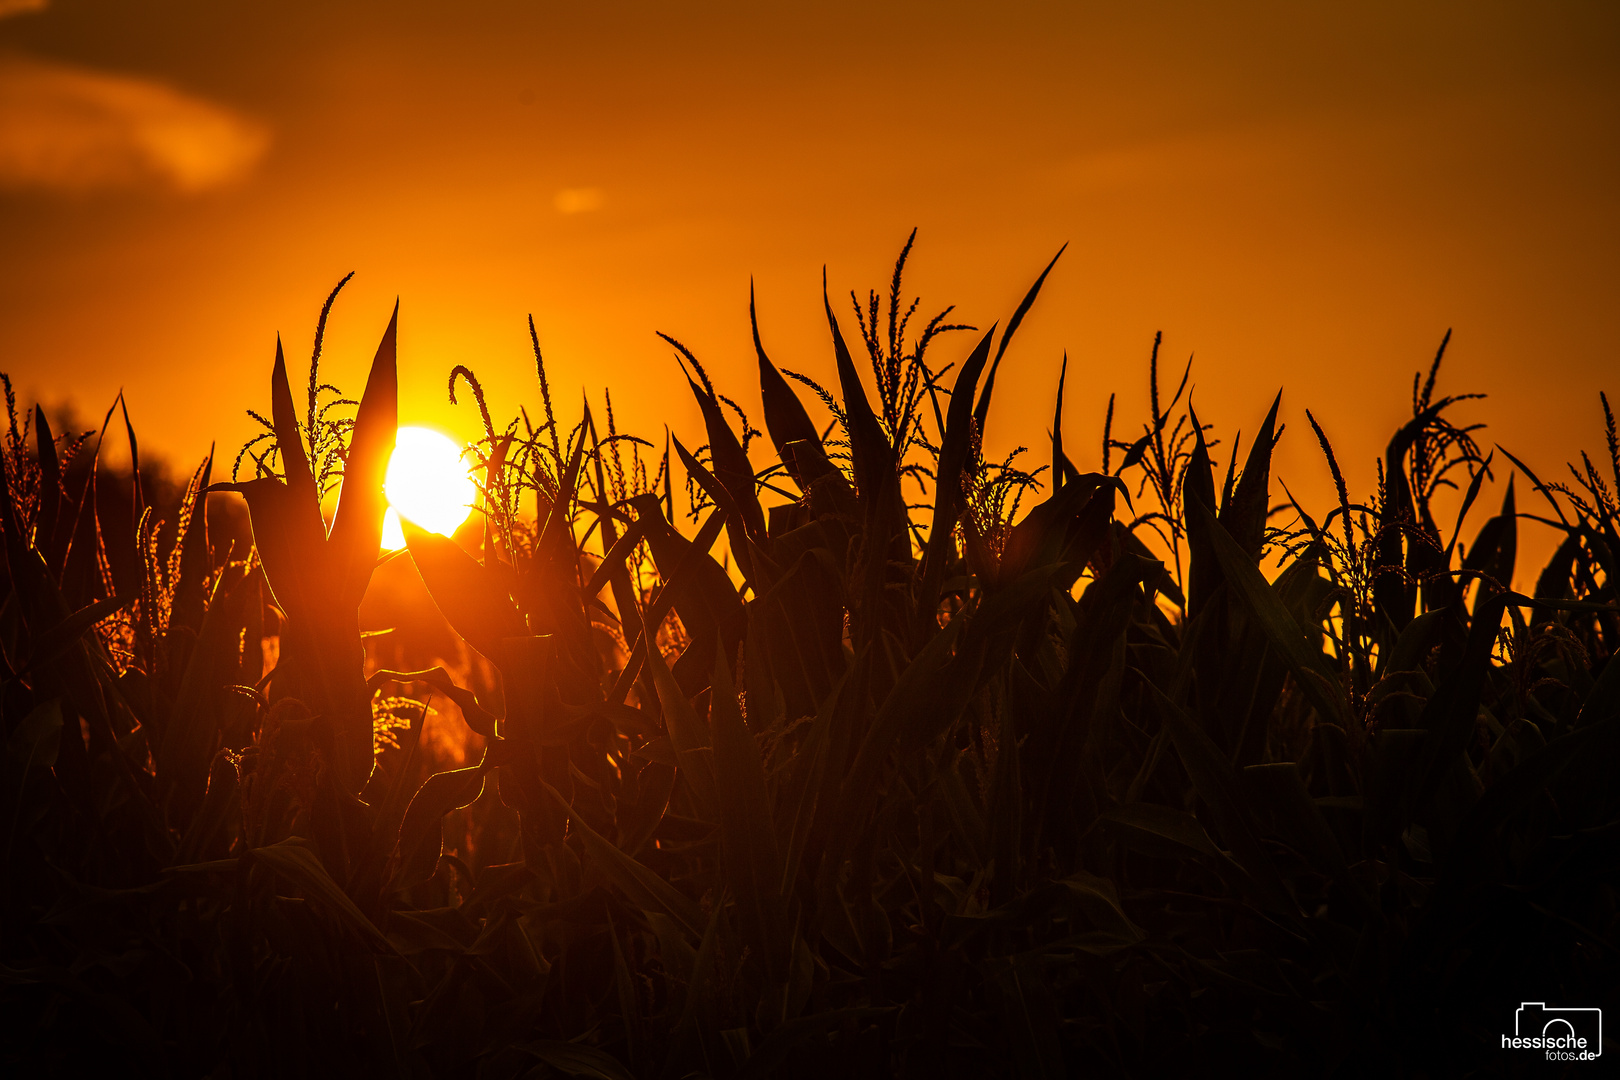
(428, 482)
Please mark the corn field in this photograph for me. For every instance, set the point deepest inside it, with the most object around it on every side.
(825, 748)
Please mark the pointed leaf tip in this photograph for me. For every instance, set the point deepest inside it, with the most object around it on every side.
(284, 417)
(357, 528)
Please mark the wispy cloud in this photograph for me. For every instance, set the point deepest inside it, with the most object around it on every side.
(66, 128)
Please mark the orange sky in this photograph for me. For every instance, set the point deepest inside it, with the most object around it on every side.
(1290, 191)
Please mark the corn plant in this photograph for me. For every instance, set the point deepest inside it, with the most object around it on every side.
(941, 765)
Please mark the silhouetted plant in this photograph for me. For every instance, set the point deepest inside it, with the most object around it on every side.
(951, 787)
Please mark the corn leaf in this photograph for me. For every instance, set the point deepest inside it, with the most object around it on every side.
(577, 1059)
(643, 888)
(357, 526)
(474, 599)
(294, 860)
(747, 834)
(1319, 683)
(421, 834)
(981, 411)
(786, 420)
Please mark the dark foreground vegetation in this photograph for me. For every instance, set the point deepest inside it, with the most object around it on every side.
(1023, 772)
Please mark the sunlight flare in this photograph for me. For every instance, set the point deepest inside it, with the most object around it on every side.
(428, 481)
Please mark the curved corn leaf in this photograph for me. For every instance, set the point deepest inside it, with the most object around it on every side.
(291, 542)
(755, 565)
(294, 860)
(731, 465)
(1158, 828)
(981, 411)
(786, 420)
(641, 886)
(478, 718)
(473, 598)
(421, 834)
(56, 640)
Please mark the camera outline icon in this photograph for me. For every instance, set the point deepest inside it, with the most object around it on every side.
(1560, 1021)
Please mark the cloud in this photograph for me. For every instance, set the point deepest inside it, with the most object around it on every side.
(579, 200)
(66, 128)
(21, 7)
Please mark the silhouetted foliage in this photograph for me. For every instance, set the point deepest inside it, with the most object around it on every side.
(938, 788)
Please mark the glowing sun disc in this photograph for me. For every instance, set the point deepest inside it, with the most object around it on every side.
(428, 482)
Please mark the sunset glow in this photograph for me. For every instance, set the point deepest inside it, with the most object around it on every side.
(428, 483)
(927, 539)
